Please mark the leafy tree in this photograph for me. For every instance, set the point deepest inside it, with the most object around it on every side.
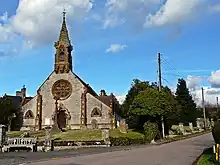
(136, 87)
(6, 110)
(172, 117)
(188, 111)
(150, 105)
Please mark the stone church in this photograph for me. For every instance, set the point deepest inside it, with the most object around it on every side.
(65, 99)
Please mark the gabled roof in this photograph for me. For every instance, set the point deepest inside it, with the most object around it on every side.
(90, 90)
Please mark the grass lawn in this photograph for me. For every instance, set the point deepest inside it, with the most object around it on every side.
(207, 158)
(78, 135)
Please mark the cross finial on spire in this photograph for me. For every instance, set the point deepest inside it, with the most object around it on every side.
(64, 13)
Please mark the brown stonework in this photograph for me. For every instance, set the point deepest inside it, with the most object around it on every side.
(84, 109)
(111, 115)
(38, 119)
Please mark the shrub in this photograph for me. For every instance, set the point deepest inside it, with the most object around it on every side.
(216, 132)
(150, 131)
(124, 141)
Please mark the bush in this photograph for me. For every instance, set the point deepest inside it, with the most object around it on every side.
(124, 141)
(216, 132)
(150, 131)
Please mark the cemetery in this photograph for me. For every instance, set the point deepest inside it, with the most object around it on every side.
(46, 140)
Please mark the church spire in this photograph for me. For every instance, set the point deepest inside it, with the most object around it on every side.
(64, 36)
(63, 57)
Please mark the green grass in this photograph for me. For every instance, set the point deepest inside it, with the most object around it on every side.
(78, 135)
(207, 158)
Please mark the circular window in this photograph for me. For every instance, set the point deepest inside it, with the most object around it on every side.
(62, 89)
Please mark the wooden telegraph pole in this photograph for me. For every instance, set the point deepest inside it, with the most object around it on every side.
(160, 87)
(203, 106)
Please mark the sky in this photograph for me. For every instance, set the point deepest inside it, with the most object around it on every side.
(115, 41)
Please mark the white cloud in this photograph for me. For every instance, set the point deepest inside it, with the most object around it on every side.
(193, 82)
(121, 98)
(119, 12)
(210, 95)
(173, 11)
(115, 48)
(38, 21)
(149, 13)
(4, 17)
(214, 79)
(211, 91)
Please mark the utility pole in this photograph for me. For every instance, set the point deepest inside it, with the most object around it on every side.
(203, 106)
(217, 103)
(160, 87)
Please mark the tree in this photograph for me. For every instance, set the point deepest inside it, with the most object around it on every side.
(136, 87)
(172, 117)
(6, 110)
(188, 111)
(150, 105)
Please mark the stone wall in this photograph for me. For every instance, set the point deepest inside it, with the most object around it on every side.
(104, 120)
(72, 104)
(31, 105)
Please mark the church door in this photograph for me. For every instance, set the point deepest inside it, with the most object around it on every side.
(61, 119)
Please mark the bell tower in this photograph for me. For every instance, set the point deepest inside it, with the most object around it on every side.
(63, 57)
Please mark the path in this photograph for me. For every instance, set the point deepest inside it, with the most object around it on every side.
(176, 153)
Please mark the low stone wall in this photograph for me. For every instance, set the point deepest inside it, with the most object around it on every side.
(59, 148)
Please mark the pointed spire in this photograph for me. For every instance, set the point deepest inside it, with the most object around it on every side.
(64, 37)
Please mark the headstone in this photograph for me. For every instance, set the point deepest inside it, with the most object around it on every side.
(198, 124)
(47, 142)
(208, 123)
(3, 134)
(123, 126)
(105, 134)
(191, 126)
(212, 123)
(181, 128)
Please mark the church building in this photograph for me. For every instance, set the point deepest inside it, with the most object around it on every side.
(65, 99)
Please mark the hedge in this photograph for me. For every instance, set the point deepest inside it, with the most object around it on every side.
(124, 141)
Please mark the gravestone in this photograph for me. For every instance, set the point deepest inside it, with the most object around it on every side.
(198, 124)
(208, 123)
(181, 128)
(191, 126)
(3, 134)
(123, 126)
(212, 123)
(48, 142)
(105, 134)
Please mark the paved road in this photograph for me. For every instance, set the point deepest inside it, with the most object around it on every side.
(176, 153)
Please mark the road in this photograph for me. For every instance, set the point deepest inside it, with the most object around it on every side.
(182, 152)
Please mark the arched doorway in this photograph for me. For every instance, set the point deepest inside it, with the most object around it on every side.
(61, 119)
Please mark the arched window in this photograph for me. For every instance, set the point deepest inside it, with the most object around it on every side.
(61, 56)
(96, 113)
(29, 115)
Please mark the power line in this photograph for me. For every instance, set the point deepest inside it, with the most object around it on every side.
(167, 64)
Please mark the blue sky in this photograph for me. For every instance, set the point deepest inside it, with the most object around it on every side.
(186, 33)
